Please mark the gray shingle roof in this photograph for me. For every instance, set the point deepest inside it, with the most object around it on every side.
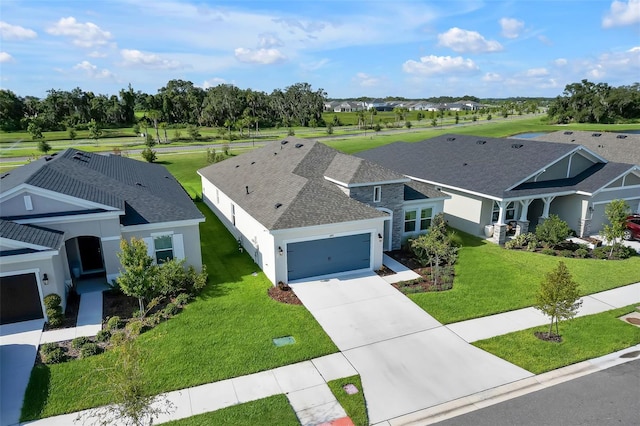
(292, 174)
(31, 234)
(463, 161)
(415, 190)
(616, 147)
(147, 193)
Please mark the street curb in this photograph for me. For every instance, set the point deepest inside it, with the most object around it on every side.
(512, 390)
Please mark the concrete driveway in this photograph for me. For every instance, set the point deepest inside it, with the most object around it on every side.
(18, 347)
(407, 360)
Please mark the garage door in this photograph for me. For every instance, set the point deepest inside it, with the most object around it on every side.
(328, 256)
(19, 299)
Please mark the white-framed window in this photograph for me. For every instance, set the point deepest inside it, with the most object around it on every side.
(377, 194)
(233, 214)
(425, 218)
(410, 220)
(163, 248)
(509, 211)
(28, 204)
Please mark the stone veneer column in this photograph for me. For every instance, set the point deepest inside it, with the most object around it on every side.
(499, 233)
(522, 227)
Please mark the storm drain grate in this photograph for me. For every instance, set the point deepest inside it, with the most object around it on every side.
(283, 341)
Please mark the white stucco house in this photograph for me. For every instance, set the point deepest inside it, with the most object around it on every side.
(302, 209)
(62, 218)
(501, 185)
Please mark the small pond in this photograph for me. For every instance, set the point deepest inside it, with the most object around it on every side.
(529, 135)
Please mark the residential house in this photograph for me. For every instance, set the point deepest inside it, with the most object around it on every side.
(497, 185)
(303, 209)
(62, 218)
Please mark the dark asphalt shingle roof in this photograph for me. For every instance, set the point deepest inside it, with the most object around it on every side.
(415, 190)
(616, 147)
(293, 176)
(147, 193)
(31, 234)
(463, 161)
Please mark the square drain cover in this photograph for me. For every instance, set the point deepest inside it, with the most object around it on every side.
(283, 341)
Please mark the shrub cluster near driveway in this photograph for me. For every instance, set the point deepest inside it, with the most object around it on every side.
(226, 332)
(490, 279)
(582, 338)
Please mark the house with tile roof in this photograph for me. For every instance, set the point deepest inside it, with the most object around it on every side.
(302, 209)
(501, 185)
(62, 218)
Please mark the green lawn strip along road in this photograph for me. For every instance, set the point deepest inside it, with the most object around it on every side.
(583, 338)
(355, 405)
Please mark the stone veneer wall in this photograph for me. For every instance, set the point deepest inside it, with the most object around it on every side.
(392, 198)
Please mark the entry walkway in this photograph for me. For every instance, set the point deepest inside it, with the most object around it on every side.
(88, 324)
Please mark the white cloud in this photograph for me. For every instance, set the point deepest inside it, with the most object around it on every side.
(15, 32)
(433, 65)
(83, 35)
(92, 70)
(5, 57)
(560, 62)
(268, 40)
(511, 27)
(314, 66)
(213, 82)
(545, 40)
(491, 77)
(634, 49)
(622, 14)
(460, 40)
(597, 72)
(536, 72)
(96, 54)
(133, 58)
(366, 80)
(259, 56)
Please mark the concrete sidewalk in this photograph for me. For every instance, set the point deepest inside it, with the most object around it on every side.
(304, 384)
(88, 324)
(495, 325)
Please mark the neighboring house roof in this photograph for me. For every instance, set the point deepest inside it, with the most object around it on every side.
(288, 184)
(489, 166)
(29, 234)
(618, 147)
(147, 193)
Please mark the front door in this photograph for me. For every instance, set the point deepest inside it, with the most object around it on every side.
(90, 254)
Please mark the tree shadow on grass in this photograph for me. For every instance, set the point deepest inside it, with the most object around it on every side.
(37, 393)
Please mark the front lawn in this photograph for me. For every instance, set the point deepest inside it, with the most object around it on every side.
(582, 338)
(227, 332)
(490, 279)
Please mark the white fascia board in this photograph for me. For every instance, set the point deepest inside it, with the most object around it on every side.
(161, 225)
(71, 218)
(355, 185)
(547, 194)
(15, 244)
(422, 202)
(58, 196)
(455, 188)
(604, 187)
(28, 257)
(318, 228)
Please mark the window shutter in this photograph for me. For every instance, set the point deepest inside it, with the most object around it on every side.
(178, 246)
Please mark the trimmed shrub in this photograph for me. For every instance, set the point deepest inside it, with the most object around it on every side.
(114, 323)
(135, 327)
(170, 310)
(182, 299)
(566, 253)
(103, 336)
(55, 316)
(51, 353)
(582, 253)
(620, 251)
(548, 251)
(52, 301)
(47, 348)
(89, 349)
(79, 342)
(553, 230)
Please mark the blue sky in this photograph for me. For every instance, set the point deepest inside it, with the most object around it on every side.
(350, 48)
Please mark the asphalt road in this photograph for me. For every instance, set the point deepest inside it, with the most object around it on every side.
(608, 397)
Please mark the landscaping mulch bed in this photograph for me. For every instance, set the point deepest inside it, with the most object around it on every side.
(548, 337)
(284, 296)
(70, 313)
(423, 284)
(117, 304)
(384, 271)
(71, 353)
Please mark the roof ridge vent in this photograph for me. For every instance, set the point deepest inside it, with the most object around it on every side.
(621, 136)
(596, 135)
(568, 133)
(481, 142)
(299, 145)
(284, 142)
(516, 145)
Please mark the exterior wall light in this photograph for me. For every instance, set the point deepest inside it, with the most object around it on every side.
(45, 279)
(380, 237)
(280, 251)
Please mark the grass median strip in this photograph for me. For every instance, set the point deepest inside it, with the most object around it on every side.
(583, 338)
(227, 332)
(355, 405)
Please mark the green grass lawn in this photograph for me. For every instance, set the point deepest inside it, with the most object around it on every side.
(274, 410)
(490, 279)
(582, 338)
(227, 332)
(354, 405)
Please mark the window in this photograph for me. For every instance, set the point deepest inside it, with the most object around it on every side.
(509, 212)
(425, 219)
(163, 247)
(27, 202)
(410, 220)
(377, 194)
(233, 214)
